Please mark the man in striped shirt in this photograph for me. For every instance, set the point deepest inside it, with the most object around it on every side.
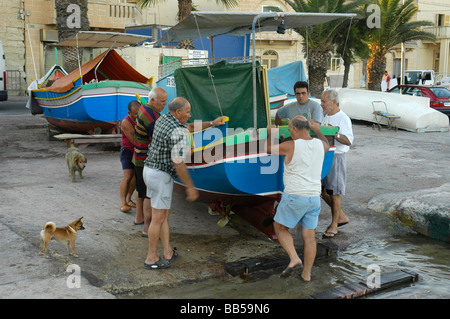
(145, 123)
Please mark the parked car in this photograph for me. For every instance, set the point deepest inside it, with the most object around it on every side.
(439, 96)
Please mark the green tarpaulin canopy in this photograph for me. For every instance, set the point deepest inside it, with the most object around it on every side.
(234, 86)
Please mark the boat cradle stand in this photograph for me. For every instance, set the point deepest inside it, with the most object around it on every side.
(83, 140)
(380, 112)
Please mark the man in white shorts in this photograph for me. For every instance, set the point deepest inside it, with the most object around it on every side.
(165, 161)
(300, 202)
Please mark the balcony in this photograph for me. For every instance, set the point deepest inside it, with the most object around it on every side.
(106, 14)
(112, 15)
(439, 32)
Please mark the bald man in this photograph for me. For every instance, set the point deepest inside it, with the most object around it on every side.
(300, 202)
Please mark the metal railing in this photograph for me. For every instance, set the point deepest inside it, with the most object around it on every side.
(15, 82)
(168, 68)
(439, 32)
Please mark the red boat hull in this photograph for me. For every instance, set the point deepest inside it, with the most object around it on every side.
(256, 210)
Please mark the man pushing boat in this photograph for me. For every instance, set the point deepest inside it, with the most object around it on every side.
(165, 161)
(300, 202)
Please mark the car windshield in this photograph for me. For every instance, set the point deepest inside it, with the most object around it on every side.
(440, 92)
(407, 90)
(413, 77)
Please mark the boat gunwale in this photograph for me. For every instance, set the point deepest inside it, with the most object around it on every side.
(245, 136)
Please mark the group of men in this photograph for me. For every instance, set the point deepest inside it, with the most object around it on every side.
(157, 162)
(158, 157)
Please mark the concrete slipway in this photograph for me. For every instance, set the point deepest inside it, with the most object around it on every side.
(35, 188)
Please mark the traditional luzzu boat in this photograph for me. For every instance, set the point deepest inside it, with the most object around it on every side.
(228, 164)
(235, 173)
(93, 98)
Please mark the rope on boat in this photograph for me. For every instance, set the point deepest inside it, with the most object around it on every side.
(208, 68)
(345, 48)
(79, 58)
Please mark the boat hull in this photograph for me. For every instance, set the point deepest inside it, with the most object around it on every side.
(415, 113)
(90, 107)
(241, 177)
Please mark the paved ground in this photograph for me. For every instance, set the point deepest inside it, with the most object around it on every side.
(35, 188)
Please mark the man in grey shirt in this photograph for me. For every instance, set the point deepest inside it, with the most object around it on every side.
(302, 106)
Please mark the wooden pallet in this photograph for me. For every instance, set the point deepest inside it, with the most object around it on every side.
(359, 289)
(275, 262)
(84, 140)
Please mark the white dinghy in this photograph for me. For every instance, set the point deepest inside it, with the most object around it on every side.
(413, 112)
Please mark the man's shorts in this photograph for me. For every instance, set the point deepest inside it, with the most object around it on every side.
(159, 187)
(334, 182)
(293, 210)
(126, 157)
(141, 188)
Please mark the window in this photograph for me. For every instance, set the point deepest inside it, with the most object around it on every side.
(270, 59)
(334, 64)
(270, 8)
(440, 92)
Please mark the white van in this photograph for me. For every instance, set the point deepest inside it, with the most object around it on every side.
(3, 92)
(420, 77)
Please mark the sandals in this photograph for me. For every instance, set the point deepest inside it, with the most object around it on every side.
(125, 208)
(328, 234)
(160, 264)
(174, 255)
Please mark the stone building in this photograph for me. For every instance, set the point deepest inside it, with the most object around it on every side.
(28, 30)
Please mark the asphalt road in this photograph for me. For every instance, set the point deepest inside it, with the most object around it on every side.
(35, 188)
(15, 105)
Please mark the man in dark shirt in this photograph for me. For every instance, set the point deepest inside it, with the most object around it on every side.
(145, 123)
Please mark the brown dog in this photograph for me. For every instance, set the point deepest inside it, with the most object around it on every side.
(67, 234)
(76, 161)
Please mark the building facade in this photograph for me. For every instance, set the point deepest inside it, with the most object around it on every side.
(28, 32)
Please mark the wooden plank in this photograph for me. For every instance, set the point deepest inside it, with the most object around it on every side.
(359, 289)
(96, 140)
(235, 268)
(72, 136)
(275, 262)
(340, 292)
(396, 278)
(84, 139)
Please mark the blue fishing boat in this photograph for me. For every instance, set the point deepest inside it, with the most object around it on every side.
(228, 164)
(94, 97)
(233, 172)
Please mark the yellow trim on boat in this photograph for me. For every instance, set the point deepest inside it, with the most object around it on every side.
(59, 97)
(56, 98)
(265, 89)
(198, 149)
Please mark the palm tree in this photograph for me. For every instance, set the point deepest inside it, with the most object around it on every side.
(184, 9)
(395, 28)
(318, 39)
(71, 17)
